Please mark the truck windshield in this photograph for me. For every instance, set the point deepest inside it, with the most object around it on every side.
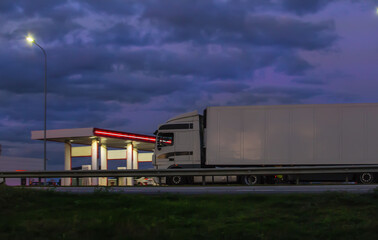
(164, 139)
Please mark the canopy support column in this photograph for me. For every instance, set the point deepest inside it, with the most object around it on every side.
(94, 160)
(129, 163)
(67, 163)
(135, 158)
(103, 181)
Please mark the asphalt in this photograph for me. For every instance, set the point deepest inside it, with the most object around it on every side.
(191, 190)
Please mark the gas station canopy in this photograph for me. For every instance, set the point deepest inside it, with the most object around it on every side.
(110, 138)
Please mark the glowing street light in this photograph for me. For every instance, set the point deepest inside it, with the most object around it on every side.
(32, 40)
(29, 39)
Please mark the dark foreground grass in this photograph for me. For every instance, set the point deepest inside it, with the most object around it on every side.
(32, 214)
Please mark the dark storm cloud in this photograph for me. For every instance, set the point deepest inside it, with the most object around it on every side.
(292, 65)
(123, 34)
(225, 87)
(290, 33)
(21, 72)
(20, 133)
(235, 25)
(116, 7)
(180, 102)
(275, 95)
(305, 6)
(26, 114)
(128, 90)
(47, 29)
(229, 26)
(49, 20)
(310, 80)
(28, 8)
(31, 106)
(194, 62)
(70, 60)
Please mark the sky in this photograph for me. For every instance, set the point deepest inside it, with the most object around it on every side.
(131, 65)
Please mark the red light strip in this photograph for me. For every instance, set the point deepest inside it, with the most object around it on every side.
(124, 135)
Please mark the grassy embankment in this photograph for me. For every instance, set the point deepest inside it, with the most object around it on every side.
(32, 214)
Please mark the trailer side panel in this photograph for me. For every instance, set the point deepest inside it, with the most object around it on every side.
(292, 135)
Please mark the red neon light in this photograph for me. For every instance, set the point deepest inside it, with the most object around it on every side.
(125, 135)
(20, 170)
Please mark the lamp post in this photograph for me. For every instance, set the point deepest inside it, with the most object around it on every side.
(31, 40)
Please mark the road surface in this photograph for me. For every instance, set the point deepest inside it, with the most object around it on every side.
(224, 189)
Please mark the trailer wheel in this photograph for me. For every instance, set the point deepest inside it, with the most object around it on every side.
(176, 180)
(366, 178)
(251, 179)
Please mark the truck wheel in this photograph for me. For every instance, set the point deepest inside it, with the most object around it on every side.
(366, 178)
(251, 179)
(176, 180)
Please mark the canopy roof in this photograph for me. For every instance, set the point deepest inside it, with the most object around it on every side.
(84, 136)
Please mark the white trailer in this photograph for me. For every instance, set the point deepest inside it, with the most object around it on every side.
(285, 135)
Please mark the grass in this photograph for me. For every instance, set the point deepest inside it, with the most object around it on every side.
(32, 214)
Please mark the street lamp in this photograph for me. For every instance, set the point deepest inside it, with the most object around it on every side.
(32, 40)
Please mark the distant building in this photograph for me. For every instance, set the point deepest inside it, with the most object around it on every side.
(20, 164)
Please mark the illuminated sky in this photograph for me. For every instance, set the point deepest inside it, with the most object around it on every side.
(131, 65)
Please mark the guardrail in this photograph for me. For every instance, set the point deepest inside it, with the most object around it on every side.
(193, 172)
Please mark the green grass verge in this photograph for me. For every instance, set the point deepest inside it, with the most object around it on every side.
(34, 214)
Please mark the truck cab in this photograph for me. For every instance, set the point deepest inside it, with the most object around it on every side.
(178, 142)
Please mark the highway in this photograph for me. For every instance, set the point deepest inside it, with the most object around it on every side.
(194, 190)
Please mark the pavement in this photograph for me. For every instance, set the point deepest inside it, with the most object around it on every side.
(192, 190)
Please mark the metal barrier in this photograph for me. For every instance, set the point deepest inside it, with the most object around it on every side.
(193, 172)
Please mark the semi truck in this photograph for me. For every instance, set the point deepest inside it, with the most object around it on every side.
(271, 136)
